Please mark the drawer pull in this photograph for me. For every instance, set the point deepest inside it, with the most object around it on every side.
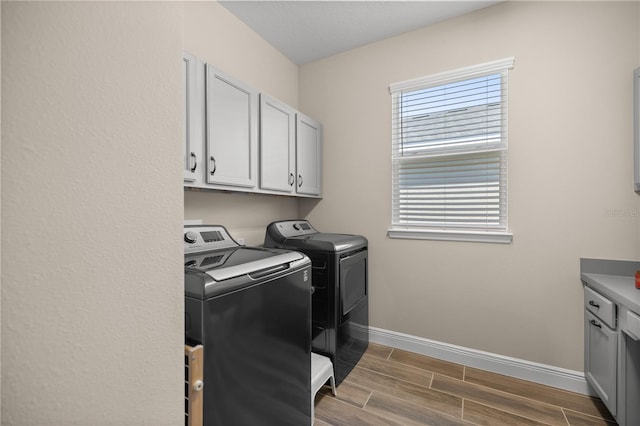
(595, 323)
(594, 304)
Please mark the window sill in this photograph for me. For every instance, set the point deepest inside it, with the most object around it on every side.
(446, 235)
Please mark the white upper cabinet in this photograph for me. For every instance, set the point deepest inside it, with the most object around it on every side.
(277, 145)
(232, 113)
(308, 156)
(290, 150)
(193, 118)
(226, 121)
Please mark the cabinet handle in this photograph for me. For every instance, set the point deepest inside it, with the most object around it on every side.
(214, 165)
(299, 181)
(595, 323)
(292, 178)
(594, 304)
(195, 162)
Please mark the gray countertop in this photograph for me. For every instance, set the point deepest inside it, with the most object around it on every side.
(614, 279)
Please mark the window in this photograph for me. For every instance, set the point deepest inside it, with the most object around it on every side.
(449, 155)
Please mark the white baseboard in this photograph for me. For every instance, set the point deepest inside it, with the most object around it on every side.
(549, 375)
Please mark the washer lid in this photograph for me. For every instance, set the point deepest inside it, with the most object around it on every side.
(222, 265)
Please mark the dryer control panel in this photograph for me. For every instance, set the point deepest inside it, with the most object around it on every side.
(292, 228)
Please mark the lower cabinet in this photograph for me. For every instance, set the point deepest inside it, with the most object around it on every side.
(629, 368)
(601, 353)
(612, 336)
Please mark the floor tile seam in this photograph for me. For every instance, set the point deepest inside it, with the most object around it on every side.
(560, 407)
(530, 383)
(361, 387)
(427, 386)
(379, 415)
(510, 393)
(501, 409)
(367, 400)
(357, 408)
(415, 405)
(565, 417)
(529, 398)
(391, 395)
(424, 369)
(388, 358)
(610, 420)
(419, 405)
(411, 367)
(464, 378)
(514, 413)
(339, 401)
(430, 358)
(508, 412)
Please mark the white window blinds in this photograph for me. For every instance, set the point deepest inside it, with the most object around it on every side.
(449, 150)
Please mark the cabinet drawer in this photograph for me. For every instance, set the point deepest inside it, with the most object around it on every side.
(600, 306)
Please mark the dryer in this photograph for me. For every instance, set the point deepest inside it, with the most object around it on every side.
(340, 303)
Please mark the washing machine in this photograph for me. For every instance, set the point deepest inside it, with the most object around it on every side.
(250, 308)
(340, 304)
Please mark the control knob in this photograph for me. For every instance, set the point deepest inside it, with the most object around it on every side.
(296, 226)
(190, 237)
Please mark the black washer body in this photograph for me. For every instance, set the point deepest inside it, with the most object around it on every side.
(250, 308)
(340, 304)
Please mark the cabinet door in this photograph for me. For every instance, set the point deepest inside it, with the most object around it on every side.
(601, 345)
(308, 156)
(193, 117)
(231, 131)
(629, 375)
(277, 145)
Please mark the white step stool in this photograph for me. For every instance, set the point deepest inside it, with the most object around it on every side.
(321, 371)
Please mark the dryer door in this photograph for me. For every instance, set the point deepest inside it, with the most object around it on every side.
(353, 280)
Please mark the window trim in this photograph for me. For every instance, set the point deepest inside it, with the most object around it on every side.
(451, 235)
(457, 74)
(485, 236)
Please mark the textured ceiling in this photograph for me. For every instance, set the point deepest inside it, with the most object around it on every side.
(306, 31)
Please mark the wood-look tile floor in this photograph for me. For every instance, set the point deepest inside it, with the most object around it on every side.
(395, 387)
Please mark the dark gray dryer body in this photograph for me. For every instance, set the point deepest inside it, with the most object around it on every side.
(340, 303)
(250, 308)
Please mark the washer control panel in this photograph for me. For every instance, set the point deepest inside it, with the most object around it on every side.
(207, 237)
(293, 228)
